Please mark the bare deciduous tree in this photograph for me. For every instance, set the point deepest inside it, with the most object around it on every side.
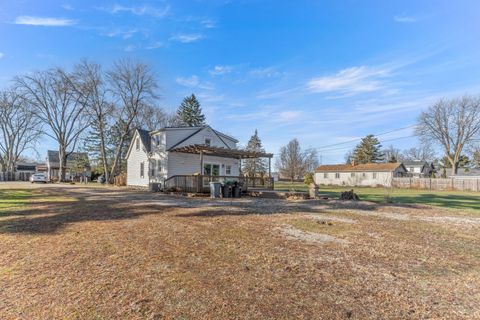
(19, 130)
(452, 124)
(293, 163)
(424, 152)
(58, 105)
(134, 85)
(89, 81)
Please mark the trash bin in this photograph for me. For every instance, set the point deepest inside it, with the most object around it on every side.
(215, 191)
(237, 191)
(155, 187)
(227, 191)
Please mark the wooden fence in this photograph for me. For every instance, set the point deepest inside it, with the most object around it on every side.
(450, 184)
(14, 176)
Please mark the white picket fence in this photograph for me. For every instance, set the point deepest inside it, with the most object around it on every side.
(458, 184)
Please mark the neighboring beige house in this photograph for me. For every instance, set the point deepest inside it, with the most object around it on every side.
(158, 155)
(367, 175)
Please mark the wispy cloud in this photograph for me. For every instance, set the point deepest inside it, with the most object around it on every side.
(129, 48)
(405, 19)
(125, 34)
(350, 81)
(2, 55)
(220, 70)
(287, 116)
(139, 10)
(44, 21)
(155, 45)
(268, 72)
(187, 37)
(193, 82)
(208, 23)
(67, 6)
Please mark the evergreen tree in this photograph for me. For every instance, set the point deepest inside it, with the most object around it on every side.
(190, 112)
(255, 166)
(368, 151)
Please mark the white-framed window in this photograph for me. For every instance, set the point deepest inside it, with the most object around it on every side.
(337, 175)
(352, 174)
(142, 169)
(228, 169)
(152, 167)
(374, 175)
(137, 144)
(159, 165)
(208, 142)
(325, 175)
(364, 174)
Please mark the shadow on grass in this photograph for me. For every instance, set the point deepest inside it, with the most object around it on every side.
(55, 215)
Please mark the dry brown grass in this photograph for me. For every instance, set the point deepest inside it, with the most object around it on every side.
(81, 253)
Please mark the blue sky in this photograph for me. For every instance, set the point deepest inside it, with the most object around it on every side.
(325, 72)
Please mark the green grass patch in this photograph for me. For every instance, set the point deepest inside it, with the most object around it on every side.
(445, 199)
(14, 199)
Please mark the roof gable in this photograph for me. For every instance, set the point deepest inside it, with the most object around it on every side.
(200, 130)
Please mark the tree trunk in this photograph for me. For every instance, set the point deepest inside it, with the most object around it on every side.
(104, 155)
(116, 160)
(62, 157)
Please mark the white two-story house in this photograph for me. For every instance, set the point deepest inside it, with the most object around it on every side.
(177, 151)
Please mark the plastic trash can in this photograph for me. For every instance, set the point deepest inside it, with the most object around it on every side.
(215, 189)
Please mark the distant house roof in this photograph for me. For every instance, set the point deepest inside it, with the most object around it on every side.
(53, 157)
(376, 167)
(418, 163)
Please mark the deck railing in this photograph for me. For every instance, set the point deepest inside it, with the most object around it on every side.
(201, 183)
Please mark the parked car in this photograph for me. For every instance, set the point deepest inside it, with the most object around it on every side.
(38, 177)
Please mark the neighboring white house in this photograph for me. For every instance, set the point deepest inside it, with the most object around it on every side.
(158, 155)
(419, 169)
(368, 175)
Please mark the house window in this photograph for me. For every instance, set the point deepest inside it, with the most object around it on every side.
(142, 169)
(411, 169)
(352, 174)
(325, 175)
(364, 174)
(208, 141)
(374, 175)
(228, 169)
(159, 165)
(337, 175)
(152, 168)
(137, 144)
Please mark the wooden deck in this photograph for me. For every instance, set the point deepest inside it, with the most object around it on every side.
(201, 183)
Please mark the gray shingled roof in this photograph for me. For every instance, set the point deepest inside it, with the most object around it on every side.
(146, 139)
(53, 156)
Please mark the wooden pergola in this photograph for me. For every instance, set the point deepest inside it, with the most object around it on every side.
(225, 153)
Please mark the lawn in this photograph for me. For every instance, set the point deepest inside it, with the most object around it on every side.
(98, 253)
(444, 199)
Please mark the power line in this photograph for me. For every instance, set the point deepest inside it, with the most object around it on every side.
(349, 147)
(358, 139)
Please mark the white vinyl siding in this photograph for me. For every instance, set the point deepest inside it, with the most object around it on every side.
(188, 164)
(135, 158)
(372, 179)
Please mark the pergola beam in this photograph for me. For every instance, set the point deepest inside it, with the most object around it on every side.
(221, 152)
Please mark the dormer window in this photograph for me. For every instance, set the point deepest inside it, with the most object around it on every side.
(208, 142)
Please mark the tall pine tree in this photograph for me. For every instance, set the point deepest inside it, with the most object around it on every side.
(256, 166)
(190, 112)
(368, 151)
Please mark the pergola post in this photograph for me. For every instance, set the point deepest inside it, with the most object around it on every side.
(269, 167)
(201, 163)
(200, 177)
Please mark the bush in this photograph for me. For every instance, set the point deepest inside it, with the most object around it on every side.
(308, 178)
